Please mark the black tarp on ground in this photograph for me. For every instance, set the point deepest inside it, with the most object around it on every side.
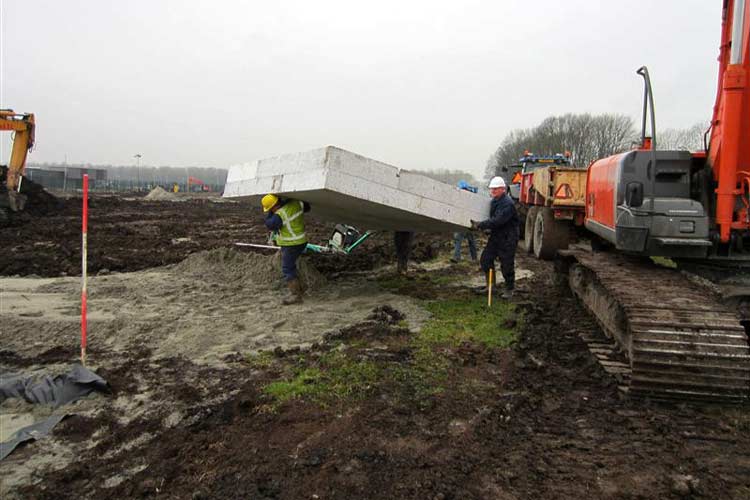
(55, 390)
(33, 431)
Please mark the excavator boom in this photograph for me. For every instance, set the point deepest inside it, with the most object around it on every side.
(729, 153)
(23, 127)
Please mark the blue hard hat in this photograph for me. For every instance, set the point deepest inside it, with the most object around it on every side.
(463, 184)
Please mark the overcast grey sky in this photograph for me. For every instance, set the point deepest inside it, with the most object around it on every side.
(418, 84)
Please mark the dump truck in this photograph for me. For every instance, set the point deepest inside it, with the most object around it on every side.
(551, 198)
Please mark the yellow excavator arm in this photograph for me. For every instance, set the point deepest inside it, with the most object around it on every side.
(23, 127)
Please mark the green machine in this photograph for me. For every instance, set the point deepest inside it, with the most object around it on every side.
(344, 239)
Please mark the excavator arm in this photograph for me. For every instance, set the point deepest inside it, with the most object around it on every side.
(23, 127)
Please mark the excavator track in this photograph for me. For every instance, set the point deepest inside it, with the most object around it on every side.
(681, 341)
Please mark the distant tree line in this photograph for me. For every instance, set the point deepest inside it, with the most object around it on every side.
(688, 139)
(587, 137)
(146, 176)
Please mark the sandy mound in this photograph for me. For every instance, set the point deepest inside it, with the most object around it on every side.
(159, 194)
(228, 265)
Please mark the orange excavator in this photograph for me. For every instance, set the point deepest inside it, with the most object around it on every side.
(18, 193)
(677, 203)
(22, 125)
(682, 336)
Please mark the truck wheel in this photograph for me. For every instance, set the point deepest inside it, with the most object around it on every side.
(528, 241)
(550, 235)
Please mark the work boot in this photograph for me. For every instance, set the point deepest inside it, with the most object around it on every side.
(483, 290)
(295, 293)
(507, 295)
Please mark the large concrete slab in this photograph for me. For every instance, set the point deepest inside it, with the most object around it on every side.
(345, 187)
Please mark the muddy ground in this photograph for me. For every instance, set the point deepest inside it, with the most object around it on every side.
(380, 410)
(131, 234)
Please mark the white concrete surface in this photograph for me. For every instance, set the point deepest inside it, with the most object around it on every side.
(345, 187)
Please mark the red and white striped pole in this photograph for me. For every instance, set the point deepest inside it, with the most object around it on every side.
(84, 253)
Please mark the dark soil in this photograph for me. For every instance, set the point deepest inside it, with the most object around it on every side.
(539, 420)
(130, 235)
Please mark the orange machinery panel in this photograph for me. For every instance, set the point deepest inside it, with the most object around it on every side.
(601, 190)
(526, 196)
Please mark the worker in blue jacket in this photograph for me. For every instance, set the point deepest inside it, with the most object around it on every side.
(502, 225)
(286, 218)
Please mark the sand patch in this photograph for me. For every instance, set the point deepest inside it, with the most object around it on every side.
(203, 311)
(159, 194)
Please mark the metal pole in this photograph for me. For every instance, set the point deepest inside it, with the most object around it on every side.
(137, 157)
(84, 270)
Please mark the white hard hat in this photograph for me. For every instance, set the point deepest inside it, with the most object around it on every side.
(497, 182)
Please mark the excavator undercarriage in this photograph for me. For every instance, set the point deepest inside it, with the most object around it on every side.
(669, 336)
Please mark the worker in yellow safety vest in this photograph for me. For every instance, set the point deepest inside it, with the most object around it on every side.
(285, 218)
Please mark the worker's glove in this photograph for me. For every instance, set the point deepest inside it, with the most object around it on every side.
(474, 225)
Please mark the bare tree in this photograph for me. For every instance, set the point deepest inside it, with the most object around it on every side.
(689, 139)
(588, 137)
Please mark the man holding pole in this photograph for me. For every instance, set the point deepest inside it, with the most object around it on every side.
(285, 217)
(503, 225)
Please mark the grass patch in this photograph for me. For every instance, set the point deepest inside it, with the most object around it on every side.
(402, 323)
(305, 382)
(335, 377)
(456, 321)
(399, 282)
(425, 376)
(453, 322)
(427, 370)
(444, 280)
(393, 282)
(261, 360)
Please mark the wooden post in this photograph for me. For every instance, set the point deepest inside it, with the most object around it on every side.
(491, 277)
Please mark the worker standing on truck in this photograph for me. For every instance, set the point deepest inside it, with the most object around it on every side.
(458, 237)
(285, 217)
(502, 225)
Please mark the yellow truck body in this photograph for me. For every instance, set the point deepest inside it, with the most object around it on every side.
(561, 186)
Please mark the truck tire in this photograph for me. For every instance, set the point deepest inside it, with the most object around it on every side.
(528, 241)
(550, 235)
(521, 211)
